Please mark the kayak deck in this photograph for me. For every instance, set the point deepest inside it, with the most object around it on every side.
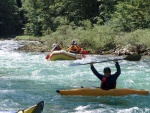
(92, 91)
(38, 108)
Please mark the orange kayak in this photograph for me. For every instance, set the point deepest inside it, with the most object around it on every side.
(93, 91)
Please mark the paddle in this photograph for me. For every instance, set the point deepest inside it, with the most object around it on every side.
(83, 52)
(133, 57)
(48, 56)
(54, 48)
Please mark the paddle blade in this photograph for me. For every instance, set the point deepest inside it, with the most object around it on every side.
(133, 57)
(47, 57)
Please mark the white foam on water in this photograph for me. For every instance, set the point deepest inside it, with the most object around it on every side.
(29, 77)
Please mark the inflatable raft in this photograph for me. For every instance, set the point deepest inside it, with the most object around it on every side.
(63, 55)
(93, 91)
(38, 108)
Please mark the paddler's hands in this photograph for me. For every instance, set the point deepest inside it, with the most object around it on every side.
(115, 60)
(91, 63)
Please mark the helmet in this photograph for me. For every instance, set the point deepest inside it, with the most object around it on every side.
(53, 45)
(107, 69)
(73, 42)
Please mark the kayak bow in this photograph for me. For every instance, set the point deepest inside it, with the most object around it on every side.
(38, 108)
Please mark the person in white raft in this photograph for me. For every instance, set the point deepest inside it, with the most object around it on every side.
(108, 80)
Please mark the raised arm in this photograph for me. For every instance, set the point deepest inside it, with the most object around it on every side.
(100, 76)
(118, 72)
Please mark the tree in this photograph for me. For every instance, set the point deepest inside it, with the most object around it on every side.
(39, 16)
(79, 10)
(105, 9)
(9, 18)
(131, 15)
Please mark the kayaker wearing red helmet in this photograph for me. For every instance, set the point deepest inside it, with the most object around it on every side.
(108, 80)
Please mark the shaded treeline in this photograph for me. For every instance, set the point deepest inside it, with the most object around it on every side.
(42, 17)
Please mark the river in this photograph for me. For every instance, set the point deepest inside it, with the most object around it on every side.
(27, 78)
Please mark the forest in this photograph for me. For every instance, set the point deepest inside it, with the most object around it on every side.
(93, 23)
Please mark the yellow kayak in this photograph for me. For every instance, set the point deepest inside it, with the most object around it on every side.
(38, 108)
(93, 91)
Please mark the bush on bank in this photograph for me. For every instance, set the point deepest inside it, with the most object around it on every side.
(95, 39)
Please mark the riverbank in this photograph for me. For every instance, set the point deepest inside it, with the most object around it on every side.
(107, 42)
(96, 40)
(43, 46)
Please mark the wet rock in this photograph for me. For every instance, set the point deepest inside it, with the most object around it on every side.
(126, 50)
(40, 46)
(34, 47)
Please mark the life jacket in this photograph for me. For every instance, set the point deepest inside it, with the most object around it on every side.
(83, 51)
(73, 48)
(79, 49)
(105, 85)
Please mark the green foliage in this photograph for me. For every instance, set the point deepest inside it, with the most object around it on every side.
(131, 15)
(25, 38)
(105, 9)
(97, 37)
(88, 22)
(9, 18)
(65, 34)
(138, 37)
(43, 17)
(39, 17)
(79, 10)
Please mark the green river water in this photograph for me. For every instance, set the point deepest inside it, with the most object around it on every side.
(26, 78)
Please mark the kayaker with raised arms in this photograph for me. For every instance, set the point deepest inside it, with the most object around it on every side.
(108, 80)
